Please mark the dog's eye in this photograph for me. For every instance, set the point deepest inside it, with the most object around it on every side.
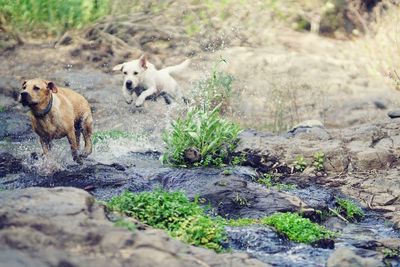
(135, 73)
(36, 88)
(125, 73)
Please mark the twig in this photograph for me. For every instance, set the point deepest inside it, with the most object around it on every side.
(338, 215)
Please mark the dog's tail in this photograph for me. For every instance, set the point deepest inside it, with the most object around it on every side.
(177, 68)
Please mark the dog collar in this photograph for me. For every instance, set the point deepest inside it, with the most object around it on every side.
(46, 110)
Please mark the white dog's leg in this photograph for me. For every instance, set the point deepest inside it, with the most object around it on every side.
(142, 97)
(127, 95)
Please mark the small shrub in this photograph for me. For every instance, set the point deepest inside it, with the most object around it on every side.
(205, 132)
(215, 90)
(349, 209)
(173, 212)
(297, 228)
(300, 164)
(319, 161)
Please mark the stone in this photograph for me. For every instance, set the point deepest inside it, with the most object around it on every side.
(394, 114)
(345, 257)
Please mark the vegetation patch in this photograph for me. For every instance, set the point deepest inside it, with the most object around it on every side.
(297, 228)
(203, 138)
(300, 164)
(215, 90)
(102, 136)
(319, 161)
(173, 212)
(125, 224)
(349, 209)
(272, 180)
(50, 16)
(2, 109)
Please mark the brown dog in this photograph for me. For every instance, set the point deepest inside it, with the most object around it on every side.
(58, 112)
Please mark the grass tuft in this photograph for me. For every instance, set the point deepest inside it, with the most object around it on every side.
(349, 209)
(203, 138)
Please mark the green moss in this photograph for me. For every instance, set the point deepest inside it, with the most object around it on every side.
(125, 224)
(173, 212)
(297, 228)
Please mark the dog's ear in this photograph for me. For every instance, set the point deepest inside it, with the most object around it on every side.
(143, 61)
(52, 87)
(119, 67)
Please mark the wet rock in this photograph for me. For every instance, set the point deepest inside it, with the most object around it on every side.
(15, 126)
(394, 114)
(44, 227)
(345, 257)
(233, 196)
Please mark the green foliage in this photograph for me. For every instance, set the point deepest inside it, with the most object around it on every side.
(125, 224)
(389, 253)
(349, 209)
(2, 109)
(173, 212)
(319, 161)
(271, 180)
(214, 91)
(102, 136)
(297, 228)
(300, 164)
(241, 200)
(51, 16)
(206, 132)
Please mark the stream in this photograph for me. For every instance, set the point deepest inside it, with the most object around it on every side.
(119, 165)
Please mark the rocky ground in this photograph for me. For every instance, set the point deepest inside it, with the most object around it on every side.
(282, 78)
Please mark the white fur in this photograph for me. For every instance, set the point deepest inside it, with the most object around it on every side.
(143, 73)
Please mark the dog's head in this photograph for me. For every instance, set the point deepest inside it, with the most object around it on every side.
(36, 91)
(133, 74)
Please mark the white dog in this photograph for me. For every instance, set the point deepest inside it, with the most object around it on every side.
(141, 77)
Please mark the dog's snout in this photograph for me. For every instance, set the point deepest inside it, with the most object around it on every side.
(128, 84)
(24, 98)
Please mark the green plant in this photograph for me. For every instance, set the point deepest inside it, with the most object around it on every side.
(173, 212)
(271, 180)
(205, 132)
(300, 164)
(241, 200)
(102, 136)
(50, 16)
(297, 228)
(390, 253)
(319, 161)
(349, 209)
(215, 90)
(2, 109)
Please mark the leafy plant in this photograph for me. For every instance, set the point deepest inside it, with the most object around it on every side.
(173, 212)
(215, 90)
(102, 136)
(349, 209)
(297, 228)
(300, 164)
(271, 180)
(204, 132)
(319, 161)
(241, 200)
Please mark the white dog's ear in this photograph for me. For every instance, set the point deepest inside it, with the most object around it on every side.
(119, 67)
(143, 61)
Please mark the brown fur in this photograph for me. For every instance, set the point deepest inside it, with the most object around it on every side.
(69, 116)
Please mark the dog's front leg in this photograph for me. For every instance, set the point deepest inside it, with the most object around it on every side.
(74, 146)
(45, 145)
(140, 100)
